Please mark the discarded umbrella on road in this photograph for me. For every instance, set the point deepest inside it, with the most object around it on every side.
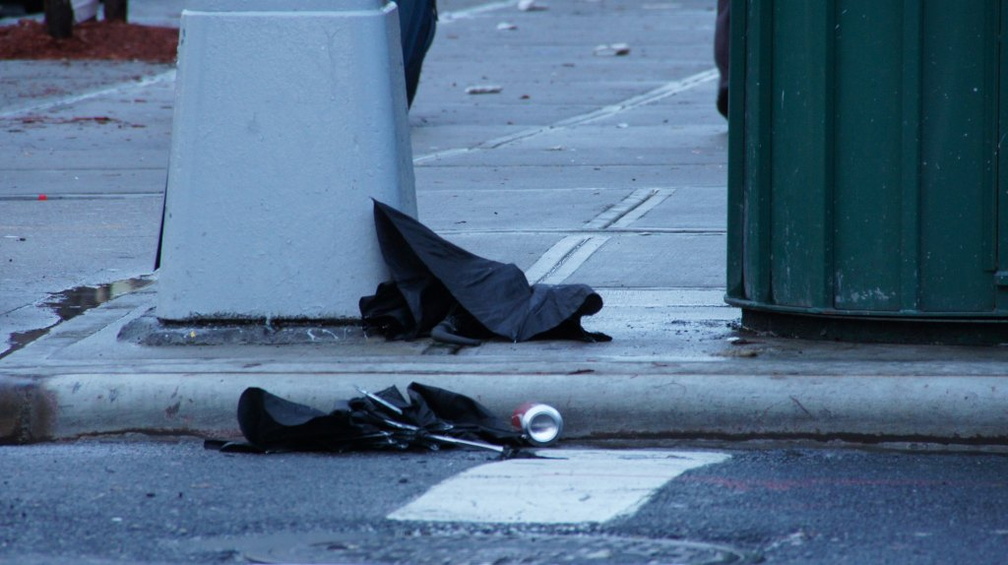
(432, 418)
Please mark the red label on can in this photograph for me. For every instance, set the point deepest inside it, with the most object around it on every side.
(516, 416)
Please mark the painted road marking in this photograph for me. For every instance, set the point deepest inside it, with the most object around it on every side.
(564, 487)
(466, 13)
(115, 89)
(664, 91)
(567, 255)
(630, 209)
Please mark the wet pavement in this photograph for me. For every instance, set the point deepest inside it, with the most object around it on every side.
(603, 170)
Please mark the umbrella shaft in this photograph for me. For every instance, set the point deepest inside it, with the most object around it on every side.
(458, 441)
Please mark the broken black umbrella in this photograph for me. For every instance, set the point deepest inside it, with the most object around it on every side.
(432, 418)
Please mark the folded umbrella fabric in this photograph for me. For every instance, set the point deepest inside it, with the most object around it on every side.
(437, 285)
(432, 418)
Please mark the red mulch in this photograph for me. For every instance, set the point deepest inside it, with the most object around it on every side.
(105, 40)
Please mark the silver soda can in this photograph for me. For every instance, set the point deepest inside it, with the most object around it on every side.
(541, 423)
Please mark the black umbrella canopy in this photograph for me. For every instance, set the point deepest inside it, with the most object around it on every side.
(437, 283)
(272, 423)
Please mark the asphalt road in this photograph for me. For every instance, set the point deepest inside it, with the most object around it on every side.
(172, 501)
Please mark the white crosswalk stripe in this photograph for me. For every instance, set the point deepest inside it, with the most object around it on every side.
(563, 487)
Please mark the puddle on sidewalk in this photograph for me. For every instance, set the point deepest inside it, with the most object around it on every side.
(71, 303)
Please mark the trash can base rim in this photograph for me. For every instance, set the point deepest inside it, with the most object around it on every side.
(878, 329)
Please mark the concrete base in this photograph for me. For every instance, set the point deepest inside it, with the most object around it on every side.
(288, 121)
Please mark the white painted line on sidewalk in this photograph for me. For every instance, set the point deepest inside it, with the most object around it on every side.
(567, 255)
(664, 91)
(637, 212)
(630, 209)
(610, 215)
(118, 88)
(553, 256)
(557, 270)
(449, 17)
(660, 93)
(570, 486)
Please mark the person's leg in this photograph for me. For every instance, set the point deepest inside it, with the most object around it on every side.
(721, 36)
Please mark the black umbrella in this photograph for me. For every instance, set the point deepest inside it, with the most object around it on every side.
(431, 418)
(443, 290)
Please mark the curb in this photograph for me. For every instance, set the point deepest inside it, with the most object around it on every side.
(88, 377)
(865, 409)
(27, 411)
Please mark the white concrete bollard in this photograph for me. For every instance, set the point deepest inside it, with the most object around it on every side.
(289, 117)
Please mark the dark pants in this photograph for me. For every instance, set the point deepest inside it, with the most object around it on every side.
(721, 37)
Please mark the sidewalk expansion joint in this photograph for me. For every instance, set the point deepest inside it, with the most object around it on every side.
(126, 86)
(630, 209)
(570, 253)
(662, 92)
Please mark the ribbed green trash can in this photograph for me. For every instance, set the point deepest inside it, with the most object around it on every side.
(868, 195)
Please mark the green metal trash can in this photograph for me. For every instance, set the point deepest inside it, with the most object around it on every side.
(868, 197)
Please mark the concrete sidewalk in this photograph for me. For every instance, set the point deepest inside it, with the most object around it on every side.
(604, 170)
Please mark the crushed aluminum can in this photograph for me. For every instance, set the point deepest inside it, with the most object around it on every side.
(541, 424)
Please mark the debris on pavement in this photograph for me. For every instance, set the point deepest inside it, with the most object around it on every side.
(432, 418)
(483, 89)
(540, 423)
(531, 6)
(612, 50)
(442, 290)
